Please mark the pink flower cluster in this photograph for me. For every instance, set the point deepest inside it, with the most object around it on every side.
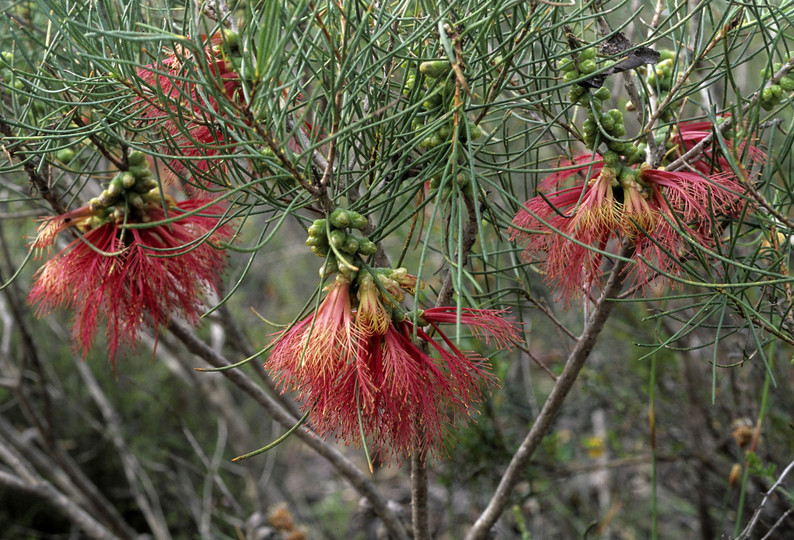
(189, 116)
(363, 378)
(591, 205)
(128, 278)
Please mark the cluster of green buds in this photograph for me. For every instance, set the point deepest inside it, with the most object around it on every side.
(599, 126)
(128, 193)
(660, 76)
(573, 69)
(773, 94)
(462, 181)
(332, 238)
(7, 71)
(439, 90)
(608, 127)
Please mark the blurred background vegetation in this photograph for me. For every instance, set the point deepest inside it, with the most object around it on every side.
(680, 421)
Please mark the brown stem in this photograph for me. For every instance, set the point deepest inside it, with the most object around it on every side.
(554, 402)
(420, 514)
(31, 167)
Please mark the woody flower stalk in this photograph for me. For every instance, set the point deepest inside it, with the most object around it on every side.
(127, 275)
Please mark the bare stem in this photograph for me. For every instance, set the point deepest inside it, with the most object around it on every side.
(420, 514)
(554, 402)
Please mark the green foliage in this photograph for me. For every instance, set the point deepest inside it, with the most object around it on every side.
(410, 134)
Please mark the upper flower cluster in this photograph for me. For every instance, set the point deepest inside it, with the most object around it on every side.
(174, 95)
(135, 262)
(588, 206)
(356, 365)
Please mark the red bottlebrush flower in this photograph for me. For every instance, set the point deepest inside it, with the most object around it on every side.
(587, 214)
(643, 205)
(129, 278)
(190, 115)
(310, 356)
(485, 324)
(359, 377)
(689, 134)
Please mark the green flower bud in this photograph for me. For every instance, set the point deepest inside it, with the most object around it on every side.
(570, 76)
(339, 218)
(232, 38)
(140, 171)
(787, 83)
(320, 251)
(575, 93)
(667, 54)
(65, 155)
(127, 180)
(317, 228)
(351, 245)
(587, 54)
(602, 93)
(136, 158)
(145, 185)
(611, 159)
(587, 67)
(357, 221)
(475, 132)
(135, 200)
(330, 267)
(766, 95)
(319, 241)
(566, 64)
(367, 247)
(337, 238)
(435, 68)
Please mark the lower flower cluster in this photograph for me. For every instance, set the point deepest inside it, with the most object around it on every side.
(357, 366)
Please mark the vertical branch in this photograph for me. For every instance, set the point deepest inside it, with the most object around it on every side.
(419, 499)
(554, 402)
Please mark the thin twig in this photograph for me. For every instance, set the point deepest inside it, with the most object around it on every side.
(757, 514)
(32, 483)
(149, 505)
